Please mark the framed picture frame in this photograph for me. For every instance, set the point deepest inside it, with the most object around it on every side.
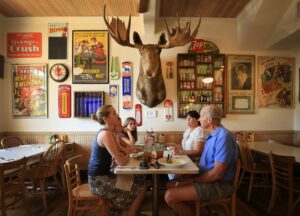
(30, 86)
(90, 57)
(275, 81)
(241, 84)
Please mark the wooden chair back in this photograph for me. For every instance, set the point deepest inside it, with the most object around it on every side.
(282, 170)
(245, 153)
(283, 177)
(226, 200)
(49, 163)
(80, 192)
(11, 141)
(12, 183)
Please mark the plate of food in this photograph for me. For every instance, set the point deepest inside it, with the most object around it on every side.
(172, 161)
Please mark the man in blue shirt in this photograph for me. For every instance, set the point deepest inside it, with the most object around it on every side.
(217, 166)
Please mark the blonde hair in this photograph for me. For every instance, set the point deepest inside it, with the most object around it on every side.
(102, 112)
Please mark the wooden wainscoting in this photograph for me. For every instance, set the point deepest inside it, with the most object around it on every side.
(83, 140)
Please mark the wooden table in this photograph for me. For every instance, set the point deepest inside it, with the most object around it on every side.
(28, 150)
(277, 148)
(132, 168)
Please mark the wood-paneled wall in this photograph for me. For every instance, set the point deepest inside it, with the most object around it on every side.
(83, 140)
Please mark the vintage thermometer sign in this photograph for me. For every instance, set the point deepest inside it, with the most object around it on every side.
(64, 101)
(138, 114)
(126, 85)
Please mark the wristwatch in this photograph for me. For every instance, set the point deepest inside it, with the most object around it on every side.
(59, 72)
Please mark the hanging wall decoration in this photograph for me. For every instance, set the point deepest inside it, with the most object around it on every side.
(114, 68)
(169, 69)
(64, 101)
(241, 84)
(127, 85)
(168, 110)
(57, 40)
(90, 57)
(24, 45)
(114, 96)
(275, 81)
(29, 90)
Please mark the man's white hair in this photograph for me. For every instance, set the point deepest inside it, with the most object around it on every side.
(212, 111)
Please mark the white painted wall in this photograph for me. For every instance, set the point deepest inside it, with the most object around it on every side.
(223, 32)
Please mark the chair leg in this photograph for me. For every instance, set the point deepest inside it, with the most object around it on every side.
(43, 192)
(28, 210)
(2, 207)
(272, 200)
(233, 206)
(290, 202)
(250, 186)
(198, 208)
(60, 187)
(242, 176)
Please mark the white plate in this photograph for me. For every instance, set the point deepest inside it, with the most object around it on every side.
(175, 162)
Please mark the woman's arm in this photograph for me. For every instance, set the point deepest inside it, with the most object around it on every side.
(198, 147)
(106, 139)
(130, 140)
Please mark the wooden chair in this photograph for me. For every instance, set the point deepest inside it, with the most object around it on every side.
(78, 192)
(47, 168)
(251, 167)
(283, 177)
(225, 201)
(11, 141)
(12, 184)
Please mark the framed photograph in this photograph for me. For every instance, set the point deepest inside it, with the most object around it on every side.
(30, 91)
(275, 81)
(241, 84)
(90, 57)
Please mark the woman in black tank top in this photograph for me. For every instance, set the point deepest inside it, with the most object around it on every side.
(102, 181)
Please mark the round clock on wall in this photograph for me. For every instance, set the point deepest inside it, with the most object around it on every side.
(59, 72)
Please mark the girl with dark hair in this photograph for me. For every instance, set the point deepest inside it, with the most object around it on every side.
(129, 133)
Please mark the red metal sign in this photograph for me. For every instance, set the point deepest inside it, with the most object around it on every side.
(64, 101)
(24, 45)
(138, 115)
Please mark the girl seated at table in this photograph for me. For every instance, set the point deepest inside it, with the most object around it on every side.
(124, 192)
(129, 133)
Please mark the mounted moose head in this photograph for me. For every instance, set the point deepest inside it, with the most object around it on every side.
(150, 88)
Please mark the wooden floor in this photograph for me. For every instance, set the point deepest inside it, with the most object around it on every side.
(58, 204)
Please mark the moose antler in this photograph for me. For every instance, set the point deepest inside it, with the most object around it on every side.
(118, 30)
(180, 36)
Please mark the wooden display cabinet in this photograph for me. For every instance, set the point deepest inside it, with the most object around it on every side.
(192, 92)
(87, 103)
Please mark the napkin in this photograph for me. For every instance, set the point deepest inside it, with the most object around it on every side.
(124, 182)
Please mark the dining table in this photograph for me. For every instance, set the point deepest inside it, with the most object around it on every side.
(31, 151)
(276, 147)
(132, 167)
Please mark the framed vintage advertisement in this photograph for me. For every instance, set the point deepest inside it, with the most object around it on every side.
(241, 84)
(275, 81)
(90, 57)
(29, 90)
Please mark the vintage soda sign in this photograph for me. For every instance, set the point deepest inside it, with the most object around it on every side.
(24, 45)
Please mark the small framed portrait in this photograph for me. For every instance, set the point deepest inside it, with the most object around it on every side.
(241, 83)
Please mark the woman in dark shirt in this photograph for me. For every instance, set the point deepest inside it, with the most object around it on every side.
(102, 181)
